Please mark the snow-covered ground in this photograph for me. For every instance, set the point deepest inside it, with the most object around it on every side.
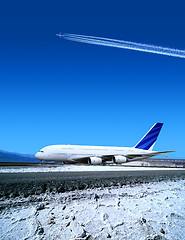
(146, 211)
(77, 168)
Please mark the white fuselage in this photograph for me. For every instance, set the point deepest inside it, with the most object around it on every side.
(71, 153)
(97, 155)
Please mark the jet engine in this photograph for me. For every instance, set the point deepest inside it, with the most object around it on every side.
(95, 161)
(120, 159)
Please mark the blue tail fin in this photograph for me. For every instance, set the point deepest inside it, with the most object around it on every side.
(149, 139)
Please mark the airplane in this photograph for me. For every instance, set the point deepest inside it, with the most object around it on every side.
(102, 155)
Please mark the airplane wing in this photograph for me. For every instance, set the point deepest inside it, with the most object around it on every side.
(129, 157)
(136, 156)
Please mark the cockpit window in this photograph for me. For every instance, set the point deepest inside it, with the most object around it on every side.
(41, 151)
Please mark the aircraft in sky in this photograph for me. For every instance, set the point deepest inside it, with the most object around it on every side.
(99, 155)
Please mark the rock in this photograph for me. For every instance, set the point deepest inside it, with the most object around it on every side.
(41, 231)
(40, 207)
(67, 225)
(64, 207)
(172, 214)
(83, 235)
(73, 218)
(162, 231)
(149, 238)
(96, 197)
(105, 216)
(108, 235)
(52, 222)
(158, 237)
(143, 220)
(142, 195)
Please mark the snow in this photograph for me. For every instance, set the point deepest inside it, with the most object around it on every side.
(77, 168)
(146, 211)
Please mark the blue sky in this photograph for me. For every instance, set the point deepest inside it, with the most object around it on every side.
(55, 91)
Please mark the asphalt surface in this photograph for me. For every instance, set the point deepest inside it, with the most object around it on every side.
(26, 184)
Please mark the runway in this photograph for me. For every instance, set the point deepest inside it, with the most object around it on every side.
(31, 183)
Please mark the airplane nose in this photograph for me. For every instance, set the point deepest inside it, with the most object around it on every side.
(37, 155)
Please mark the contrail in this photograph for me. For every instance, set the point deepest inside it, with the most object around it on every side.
(123, 44)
